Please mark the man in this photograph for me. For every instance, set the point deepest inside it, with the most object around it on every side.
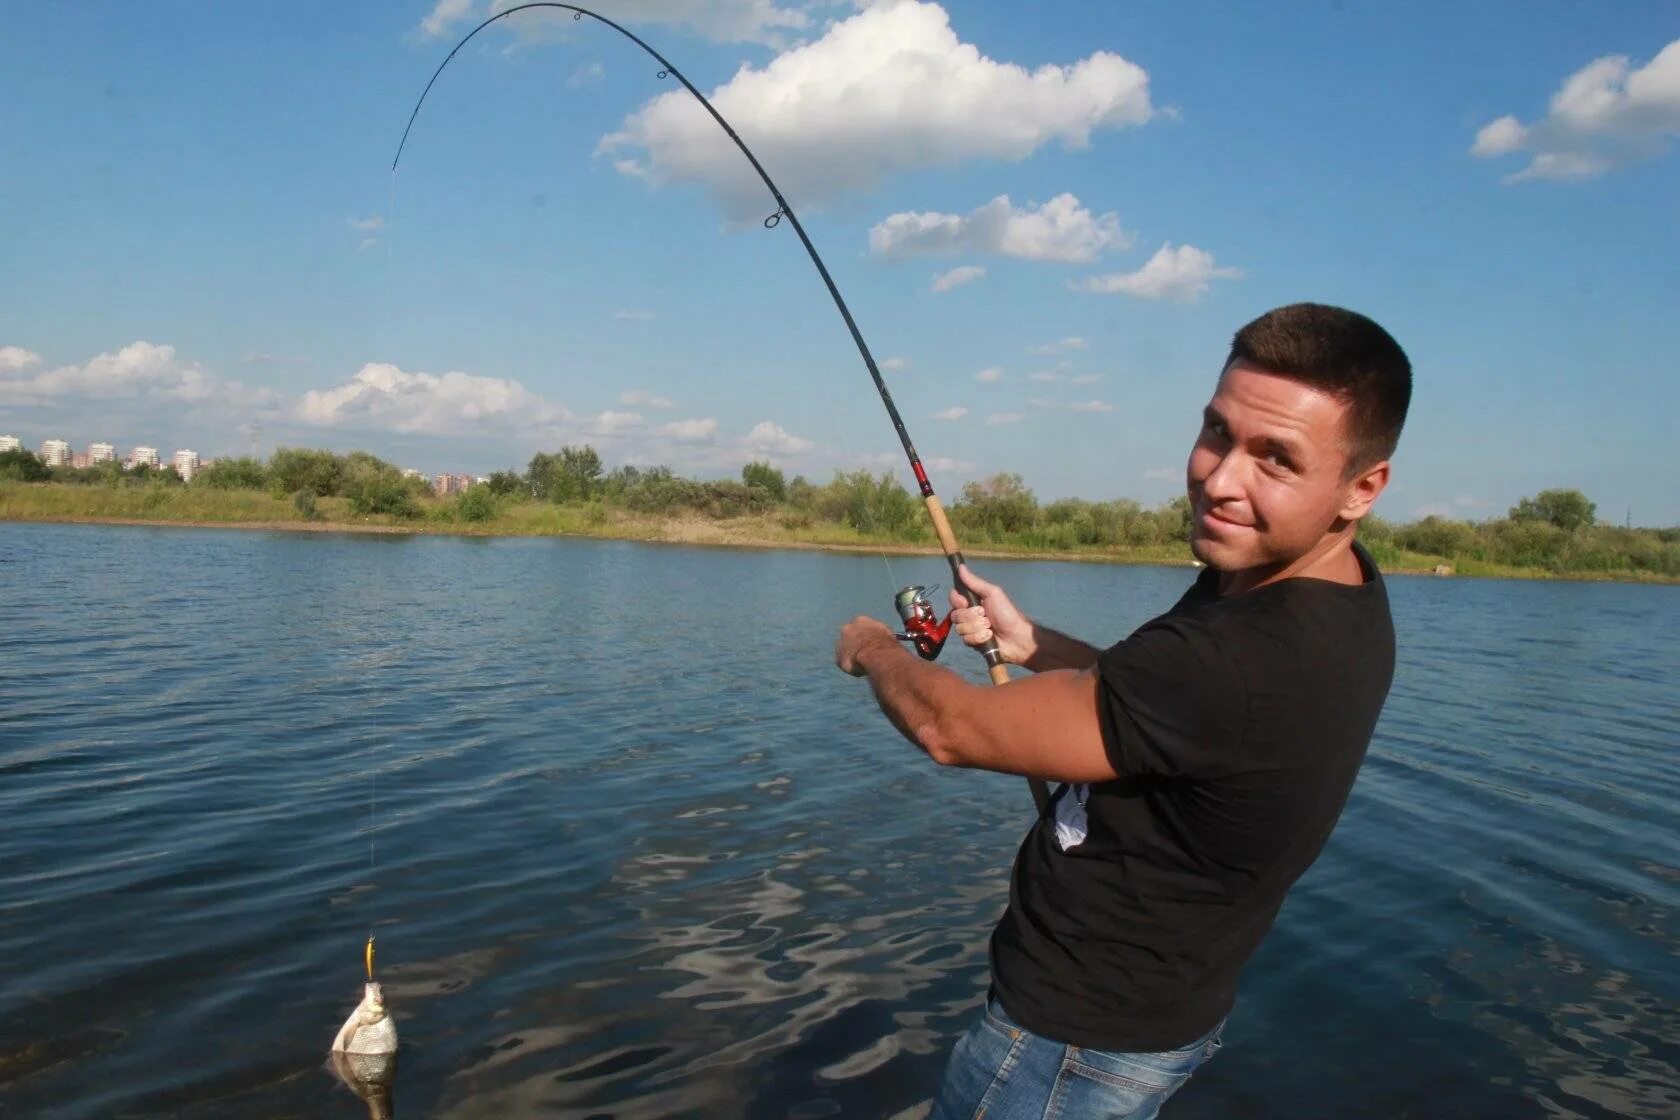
(1205, 758)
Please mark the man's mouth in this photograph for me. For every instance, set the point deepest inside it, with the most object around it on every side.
(1213, 518)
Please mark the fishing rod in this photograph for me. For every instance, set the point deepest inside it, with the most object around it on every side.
(922, 628)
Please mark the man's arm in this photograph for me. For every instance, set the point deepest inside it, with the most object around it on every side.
(1053, 650)
(1041, 727)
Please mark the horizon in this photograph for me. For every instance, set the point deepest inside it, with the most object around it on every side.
(1048, 234)
(956, 498)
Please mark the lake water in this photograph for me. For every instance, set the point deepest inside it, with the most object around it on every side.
(633, 848)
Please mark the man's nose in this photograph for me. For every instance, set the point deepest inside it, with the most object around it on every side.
(1225, 481)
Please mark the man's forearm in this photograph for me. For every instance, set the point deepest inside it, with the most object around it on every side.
(1053, 649)
(909, 692)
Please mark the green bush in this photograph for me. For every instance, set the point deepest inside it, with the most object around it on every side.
(477, 503)
(243, 473)
(1437, 536)
(766, 478)
(22, 466)
(291, 469)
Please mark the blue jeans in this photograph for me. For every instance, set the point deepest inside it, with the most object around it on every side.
(1002, 1071)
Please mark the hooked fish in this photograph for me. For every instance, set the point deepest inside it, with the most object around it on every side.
(369, 1030)
(364, 1055)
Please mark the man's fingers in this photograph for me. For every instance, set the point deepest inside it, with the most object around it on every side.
(971, 627)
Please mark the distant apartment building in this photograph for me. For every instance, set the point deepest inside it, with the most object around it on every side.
(10, 443)
(146, 455)
(56, 453)
(80, 461)
(186, 464)
(446, 484)
(410, 472)
(102, 453)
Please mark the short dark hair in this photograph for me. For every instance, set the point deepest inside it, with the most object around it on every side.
(1346, 355)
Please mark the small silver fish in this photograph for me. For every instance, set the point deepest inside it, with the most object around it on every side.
(369, 1030)
(364, 1055)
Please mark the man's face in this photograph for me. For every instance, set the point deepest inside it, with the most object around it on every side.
(1265, 477)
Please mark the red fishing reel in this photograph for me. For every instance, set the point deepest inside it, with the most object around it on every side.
(922, 627)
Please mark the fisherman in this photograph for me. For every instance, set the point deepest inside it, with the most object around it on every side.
(1204, 759)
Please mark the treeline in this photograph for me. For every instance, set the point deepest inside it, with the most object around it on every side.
(1555, 531)
(1000, 510)
(367, 482)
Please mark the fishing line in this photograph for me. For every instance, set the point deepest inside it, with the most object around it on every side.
(996, 668)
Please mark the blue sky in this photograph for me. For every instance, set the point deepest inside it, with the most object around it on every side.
(201, 242)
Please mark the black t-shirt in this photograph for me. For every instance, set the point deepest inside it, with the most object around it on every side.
(1237, 726)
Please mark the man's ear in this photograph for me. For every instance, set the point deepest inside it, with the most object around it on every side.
(1362, 490)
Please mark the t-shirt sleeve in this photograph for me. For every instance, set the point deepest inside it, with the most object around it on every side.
(1171, 702)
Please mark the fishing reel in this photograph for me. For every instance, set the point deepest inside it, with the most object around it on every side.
(922, 627)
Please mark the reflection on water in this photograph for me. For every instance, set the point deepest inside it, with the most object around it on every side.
(614, 874)
(370, 1077)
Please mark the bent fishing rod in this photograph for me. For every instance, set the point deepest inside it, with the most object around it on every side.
(922, 626)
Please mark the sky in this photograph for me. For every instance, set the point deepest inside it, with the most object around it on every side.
(1048, 220)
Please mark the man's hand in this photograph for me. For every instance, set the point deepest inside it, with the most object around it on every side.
(995, 617)
(860, 634)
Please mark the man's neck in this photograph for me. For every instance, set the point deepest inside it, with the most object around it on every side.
(1332, 559)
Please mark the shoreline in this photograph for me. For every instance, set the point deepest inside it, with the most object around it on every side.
(707, 534)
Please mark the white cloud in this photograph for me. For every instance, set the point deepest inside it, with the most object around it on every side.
(997, 418)
(381, 396)
(633, 313)
(689, 431)
(1059, 230)
(890, 364)
(889, 89)
(1061, 345)
(14, 358)
(767, 439)
(610, 423)
(955, 412)
(1499, 138)
(1044, 376)
(1073, 406)
(367, 243)
(142, 372)
(367, 225)
(443, 16)
(1085, 379)
(641, 398)
(962, 274)
(943, 463)
(989, 374)
(589, 74)
(1180, 274)
(138, 369)
(1607, 114)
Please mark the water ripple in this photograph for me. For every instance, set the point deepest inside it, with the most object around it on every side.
(614, 878)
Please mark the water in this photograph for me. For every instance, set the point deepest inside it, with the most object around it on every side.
(637, 850)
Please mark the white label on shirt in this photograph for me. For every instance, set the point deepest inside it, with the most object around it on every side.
(1071, 824)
